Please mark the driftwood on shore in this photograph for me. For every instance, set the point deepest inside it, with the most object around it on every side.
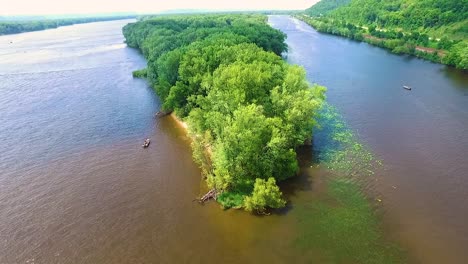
(162, 113)
(212, 194)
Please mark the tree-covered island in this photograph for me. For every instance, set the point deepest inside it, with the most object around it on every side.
(247, 109)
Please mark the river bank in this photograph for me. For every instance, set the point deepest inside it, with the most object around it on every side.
(15, 27)
(399, 43)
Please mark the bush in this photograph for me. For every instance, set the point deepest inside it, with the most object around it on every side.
(140, 73)
(265, 194)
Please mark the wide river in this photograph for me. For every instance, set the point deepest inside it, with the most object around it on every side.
(421, 135)
(76, 186)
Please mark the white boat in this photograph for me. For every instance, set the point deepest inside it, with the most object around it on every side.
(406, 87)
(146, 144)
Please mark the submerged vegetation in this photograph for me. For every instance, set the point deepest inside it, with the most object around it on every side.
(342, 228)
(432, 29)
(343, 154)
(341, 225)
(246, 108)
(14, 27)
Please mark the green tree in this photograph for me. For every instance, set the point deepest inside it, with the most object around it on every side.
(266, 194)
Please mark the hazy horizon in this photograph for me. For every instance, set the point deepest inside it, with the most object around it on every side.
(56, 7)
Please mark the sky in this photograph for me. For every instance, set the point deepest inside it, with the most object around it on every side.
(53, 7)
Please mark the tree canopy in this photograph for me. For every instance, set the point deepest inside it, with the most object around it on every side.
(247, 109)
(324, 7)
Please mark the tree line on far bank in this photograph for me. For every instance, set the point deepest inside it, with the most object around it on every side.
(14, 27)
(247, 109)
(436, 30)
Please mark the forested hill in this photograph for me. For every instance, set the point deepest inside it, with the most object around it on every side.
(425, 15)
(325, 6)
(436, 30)
(14, 27)
(247, 109)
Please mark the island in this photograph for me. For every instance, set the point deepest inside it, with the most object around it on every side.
(246, 109)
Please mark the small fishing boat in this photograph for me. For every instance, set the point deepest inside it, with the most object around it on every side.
(146, 143)
(407, 87)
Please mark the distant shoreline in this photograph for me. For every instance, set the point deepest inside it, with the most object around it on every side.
(17, 27)
(434, 55)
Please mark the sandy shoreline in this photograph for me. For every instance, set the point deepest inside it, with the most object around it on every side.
(179, 121)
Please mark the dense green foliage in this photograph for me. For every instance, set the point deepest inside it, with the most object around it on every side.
(406, 14)
(436, 30)
(324, 7)
(265, 193)
(14, 27)
(140, 73)
(246, 108)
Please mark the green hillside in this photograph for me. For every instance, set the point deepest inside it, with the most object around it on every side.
(426, 15)
(436, 30)
(325, 6)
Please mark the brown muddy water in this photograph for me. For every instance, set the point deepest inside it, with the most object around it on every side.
(421, 135)
(76, 186)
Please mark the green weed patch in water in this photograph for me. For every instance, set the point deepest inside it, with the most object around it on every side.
(342, 153)
(341, 225)
(343, 228)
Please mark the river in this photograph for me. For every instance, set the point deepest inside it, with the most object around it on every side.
(76, 186)
(421, 135)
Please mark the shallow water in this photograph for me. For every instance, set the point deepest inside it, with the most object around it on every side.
(421, 135)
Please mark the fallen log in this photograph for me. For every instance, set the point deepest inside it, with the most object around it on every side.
(162, 113)
(212, 194)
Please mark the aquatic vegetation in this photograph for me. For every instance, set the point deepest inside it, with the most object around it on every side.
(342, 152)
(341, 225)
(343, 228)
